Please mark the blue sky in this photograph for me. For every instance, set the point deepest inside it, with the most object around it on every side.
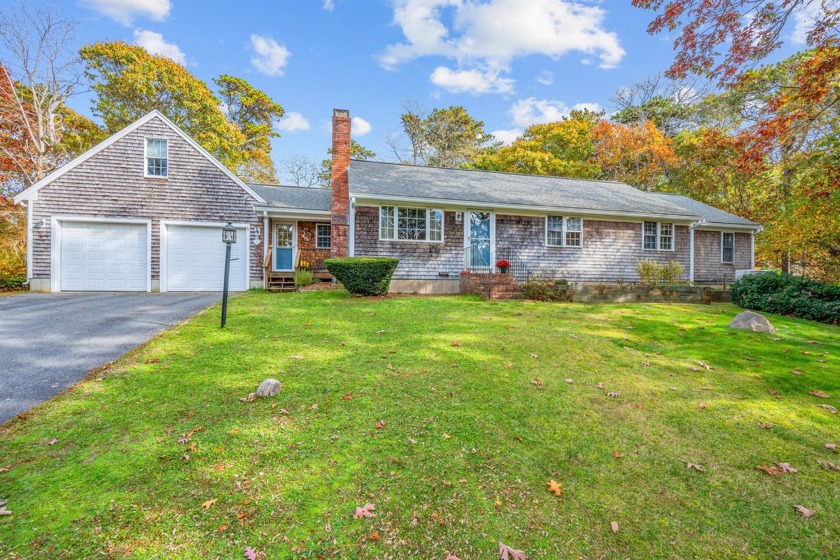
(511, 63)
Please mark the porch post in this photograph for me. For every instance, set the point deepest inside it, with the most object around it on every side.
(691, 253)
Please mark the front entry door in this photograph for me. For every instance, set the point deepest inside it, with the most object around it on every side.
(284, 246)
(479, 239)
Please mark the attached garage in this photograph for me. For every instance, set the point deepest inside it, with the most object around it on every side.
(102, 256)
(193, 258)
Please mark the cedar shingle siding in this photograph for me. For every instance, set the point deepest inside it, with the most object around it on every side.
(418, 260)
(707, 265)
(111, 184)
(609, 253)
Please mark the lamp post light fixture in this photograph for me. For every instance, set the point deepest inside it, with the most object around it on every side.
(228, 238)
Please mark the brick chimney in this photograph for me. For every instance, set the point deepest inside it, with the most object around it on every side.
(340, 183)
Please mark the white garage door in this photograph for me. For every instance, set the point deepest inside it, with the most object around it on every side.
(195, 259)
(103, 257)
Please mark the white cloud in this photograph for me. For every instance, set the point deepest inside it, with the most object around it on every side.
(490, 34)
(526, 112)
(470, 81)
(806, 16)
(545, 78)
(269, 57)
(293, 122)
(507, 136)
(359, 126)
(155, 44)
(329, 5)
(124, 11)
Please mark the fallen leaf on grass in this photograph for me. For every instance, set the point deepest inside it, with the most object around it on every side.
(297, 357)
(829, 408)
(446, 436)
(375, 537)
(456, 343)
(487, 318)
(508, 553)
(701, 405)
(645, 364)
(819, 394)
(570, 380)
(53, 441)
(811, 342)
(348, 396)
(805, 511)
(829, 465)
(703, 365)
(764, 426)
(209, 503)
(749, 358)
(452, 557)
(599, 386)
(694, 466)
(364, 511)
(555, 487)
(253, 554)
(618, 454)
(796, 372)
(785, 467)
(573, 335)
(535, 356)
(831, 446)
(772, 471)
(613, 394)
(250, 398)
(614, 526)
(538, 384)
(380, 425)
(3, 510)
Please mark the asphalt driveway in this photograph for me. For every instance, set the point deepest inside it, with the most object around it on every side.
(48, 342)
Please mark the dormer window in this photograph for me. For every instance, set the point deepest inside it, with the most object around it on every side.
(157, 157)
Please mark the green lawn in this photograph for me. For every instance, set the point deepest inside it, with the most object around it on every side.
(469, 445)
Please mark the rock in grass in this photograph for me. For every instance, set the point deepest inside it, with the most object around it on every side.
(269, 388)
(751, 321)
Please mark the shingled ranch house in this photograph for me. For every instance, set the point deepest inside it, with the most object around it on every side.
(143, 211)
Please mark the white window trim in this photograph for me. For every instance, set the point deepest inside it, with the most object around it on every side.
(721, 247)
(396, 208)
(563, 233)
(146, 158)
(659, 236)
(317, 226)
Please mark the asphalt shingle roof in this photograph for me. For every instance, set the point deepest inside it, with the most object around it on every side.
(710, 213)
(410, 181)
(302, 198)
(370, 178)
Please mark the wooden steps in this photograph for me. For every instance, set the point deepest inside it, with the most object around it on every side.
(285, 281)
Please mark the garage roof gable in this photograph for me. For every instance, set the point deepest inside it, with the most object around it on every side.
(31, 192)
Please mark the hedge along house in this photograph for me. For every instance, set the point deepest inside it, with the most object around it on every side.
(144, 209)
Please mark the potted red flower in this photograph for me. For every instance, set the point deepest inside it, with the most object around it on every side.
(503, 265)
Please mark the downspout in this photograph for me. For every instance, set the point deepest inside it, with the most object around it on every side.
(752, 246)
(265, 248)
(352, 232)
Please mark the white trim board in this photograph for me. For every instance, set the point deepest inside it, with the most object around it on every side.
(55, 244)
(32, 192)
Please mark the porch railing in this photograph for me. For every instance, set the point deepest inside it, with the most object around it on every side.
(477, 259)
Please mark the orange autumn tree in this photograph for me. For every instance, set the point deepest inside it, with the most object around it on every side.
(639, 154)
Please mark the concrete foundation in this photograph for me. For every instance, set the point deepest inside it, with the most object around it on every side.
(424, 287)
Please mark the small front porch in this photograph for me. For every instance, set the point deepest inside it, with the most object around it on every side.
(291, 244)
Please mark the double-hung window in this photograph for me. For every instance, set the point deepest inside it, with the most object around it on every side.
(658, 236)
(410, 224)
(563, 231)
(727, 247)
(323, 236)
(157, 157)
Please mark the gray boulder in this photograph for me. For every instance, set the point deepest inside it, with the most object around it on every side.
(269, 388)
(750, 321)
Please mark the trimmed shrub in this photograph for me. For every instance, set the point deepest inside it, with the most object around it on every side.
(785, 294)
(545, 290)
(9, 283)
(651, 272)
(363, 276)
